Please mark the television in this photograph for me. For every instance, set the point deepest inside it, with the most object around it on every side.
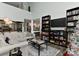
(60, 22)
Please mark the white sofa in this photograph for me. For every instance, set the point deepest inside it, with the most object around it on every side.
(17, 39)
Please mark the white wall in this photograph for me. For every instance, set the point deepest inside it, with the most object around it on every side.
(13, 13)
(55, 9)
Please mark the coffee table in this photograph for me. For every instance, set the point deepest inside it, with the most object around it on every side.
(39, 43)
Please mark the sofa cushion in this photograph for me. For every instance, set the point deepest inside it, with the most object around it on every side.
(2, 41)
(12, 36)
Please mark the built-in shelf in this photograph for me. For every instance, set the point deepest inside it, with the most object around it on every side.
(72, 21)
(72, 17)
(58, 28)
(71, 26)
(46, 27)
(57, 37)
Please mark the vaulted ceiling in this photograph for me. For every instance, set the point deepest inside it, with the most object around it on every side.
(21, 5)
(16, 4)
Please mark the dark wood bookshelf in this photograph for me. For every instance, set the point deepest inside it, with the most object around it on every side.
(46, 27)
(72, 17)
(74, 12)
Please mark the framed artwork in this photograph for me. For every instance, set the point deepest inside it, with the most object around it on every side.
(36, 25)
